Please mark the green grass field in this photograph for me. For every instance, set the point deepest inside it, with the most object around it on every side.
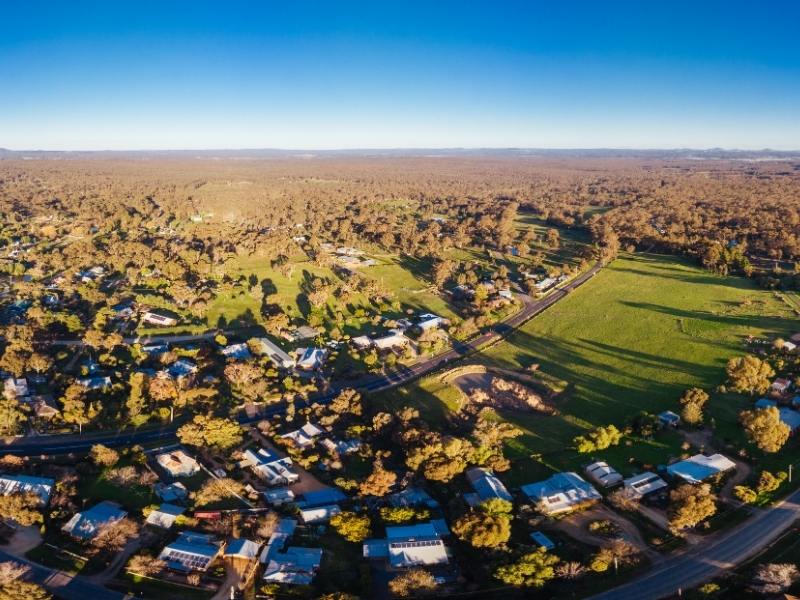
(645, 329)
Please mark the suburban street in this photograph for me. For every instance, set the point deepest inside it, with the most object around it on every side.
(705, 561)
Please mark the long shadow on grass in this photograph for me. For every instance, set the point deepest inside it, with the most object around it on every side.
(772, 325)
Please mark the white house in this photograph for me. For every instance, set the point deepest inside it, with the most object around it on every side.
(159, 319)
(16, 388)
(409, 546)
(486, 486)
(271, 468)
(177, 463)
(278, 496)
(561, 493)
(699, 467)
(293, 565)
(164, 516)
(394, 339)
(644, 484)
(237, 351)
(362, 342)
(191, 552)
(603, 474)
(319, 514)
(430, 321)
(275, 353)
(303, 437)
(781, 385)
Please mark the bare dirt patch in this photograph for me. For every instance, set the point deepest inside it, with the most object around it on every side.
(488, 389)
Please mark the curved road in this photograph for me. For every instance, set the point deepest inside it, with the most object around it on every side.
(704, 562)
(64, 444)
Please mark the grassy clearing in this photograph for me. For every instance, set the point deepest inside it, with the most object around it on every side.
(645, 329)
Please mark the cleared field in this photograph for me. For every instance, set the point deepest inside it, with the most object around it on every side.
(645, 329)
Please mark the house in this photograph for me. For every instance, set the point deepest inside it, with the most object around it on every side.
(98, 382)
(278, 496)
(293, 565)
(270, 468)
(237, 352)
(159, 319)
(603, 474)
(486, 486)
(340, 447)
(781, 385)
(177, 463)
(44, 407)
(326, 495)
(789, 347)
(16, 387)
(319, 514)
(430, 321)
(173, 492)
(27, 484)
(310, 359)
(563, 492)
(644, 484)
(303, 437)
(545, 284)
(542, 540)
(85, 525)
(123, 310)
(304, 332)
(409, 546)
(155, 349)
(242, 549)
(412, 496)
(191, 552)
(669, 419)
(275, 353)
(164, 516)
(183, 367)
(394, 339)
(362, 342)
(700, 467)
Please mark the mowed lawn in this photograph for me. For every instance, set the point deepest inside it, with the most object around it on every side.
(634, 338)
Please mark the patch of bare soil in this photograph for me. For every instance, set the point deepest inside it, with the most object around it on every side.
(498, 392)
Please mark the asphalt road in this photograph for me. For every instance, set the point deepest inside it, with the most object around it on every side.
(65, 444)
(706, 561)
(62, 584)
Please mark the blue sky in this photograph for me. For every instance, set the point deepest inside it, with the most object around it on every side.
(306, 75)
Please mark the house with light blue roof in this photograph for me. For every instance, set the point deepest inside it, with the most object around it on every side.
(86, 525)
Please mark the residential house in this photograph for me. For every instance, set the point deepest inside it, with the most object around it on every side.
(781, 385)
(412, 496)
(278, 496)
(276, 354)
(394, 339)
(644, 484)
(700, 467)
(430, 321)
(603, 474)
(240, 548)
(98, 382)
(173, 492)
(293, 565)
(271, 468)
(303, 437)
(304, 332)
(362, 342)
(310, 359)
(320, 497)
(164, 516)
(183, 367)
(177, 463)
(159, 319)
(237, 352)
(191, 552)
(409, 546)
(85, 525)
(486, 486)
(340, 447)
(27, 484)
(561, 493)
(319, 514)
(16, 388)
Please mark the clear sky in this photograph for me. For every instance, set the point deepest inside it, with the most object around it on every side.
(380, 74)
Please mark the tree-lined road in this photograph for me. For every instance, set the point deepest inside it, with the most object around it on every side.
(706, 561)
(65, 444)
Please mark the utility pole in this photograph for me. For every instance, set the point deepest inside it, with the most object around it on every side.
(790, 473)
